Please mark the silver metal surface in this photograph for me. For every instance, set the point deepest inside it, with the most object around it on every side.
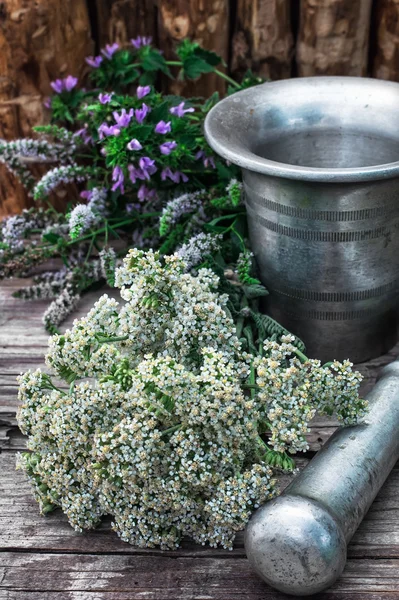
(320, 161)
(297, 542)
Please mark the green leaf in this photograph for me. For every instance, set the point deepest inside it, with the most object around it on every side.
(161, 112)
(51, 237)
(211, 58)
(194, 66)
(224, 172)
(186, 48)
(152, 60)
(147, 78)
(254, 291)
(208, 104)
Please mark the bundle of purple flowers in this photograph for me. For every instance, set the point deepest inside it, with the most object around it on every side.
(139, 154)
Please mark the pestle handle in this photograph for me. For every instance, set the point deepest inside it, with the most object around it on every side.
(297, 542)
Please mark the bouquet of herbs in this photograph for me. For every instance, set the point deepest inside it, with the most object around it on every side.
(178, 408)
(165, 421)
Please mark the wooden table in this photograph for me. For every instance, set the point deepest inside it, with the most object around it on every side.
(42, 558)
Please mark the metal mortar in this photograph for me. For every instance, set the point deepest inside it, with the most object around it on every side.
(320, 163)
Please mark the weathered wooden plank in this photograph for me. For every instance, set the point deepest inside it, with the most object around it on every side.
(167, 578)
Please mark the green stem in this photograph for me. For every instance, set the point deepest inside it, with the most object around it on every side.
(178, 63)
(171, 429)
(90, 248)
(301, 356)
(252, 381)
(174, 63)
(227, 78)
(104, 340)
(239, 326)
(102, 230)
(240, 238)
(250, 386)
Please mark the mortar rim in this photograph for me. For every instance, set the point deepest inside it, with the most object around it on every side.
(249, 160)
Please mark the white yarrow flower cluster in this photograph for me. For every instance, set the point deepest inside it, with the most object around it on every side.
(165, 439)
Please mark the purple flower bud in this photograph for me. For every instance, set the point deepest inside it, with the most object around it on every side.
(104, 98)
(143, 91)
(209, 162)
(146, 163)
(86, 194)
(106, 130)
(200, 154)
(94, 61)
(179, 110)
(166, 173)
(57, 85)
(144, 193)
(147, 166)
(84, 134)
(110, 50)
(162, 127)
(70, 82)
(176, 176)
(132, 173)
(47, 102)
(140, 41)
(118, 178)
(141, 113)
(123, 119)
(134, 145)
(167, 147)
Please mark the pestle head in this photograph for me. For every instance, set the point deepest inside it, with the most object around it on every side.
(295, 545)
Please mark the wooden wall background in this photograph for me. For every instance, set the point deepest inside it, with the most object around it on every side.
(41, 40)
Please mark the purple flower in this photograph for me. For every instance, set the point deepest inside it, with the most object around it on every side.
(70, 82)
(57, 85)
(134, 145)
(167, 147)
(140, 41)
(94, 61)
(84, 134)
(180, 111)
(141, 113)
(47, 102)
(110, 50)
(143, 91)
(209, 162)
(162, 127)
(105, 98)
(147, 166)
(105, 130)
(134, 173)
(86, 194)
(118, 179)
(123, 119)
(176, 176)
(144, 193)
